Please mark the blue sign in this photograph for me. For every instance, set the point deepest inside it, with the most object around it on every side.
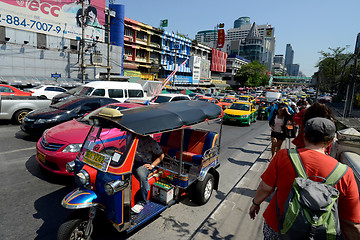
(56, 75)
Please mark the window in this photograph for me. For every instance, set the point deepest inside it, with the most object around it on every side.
(116, 93)
(135, 93)
(5, 89)
(99, 92)
(41, 41)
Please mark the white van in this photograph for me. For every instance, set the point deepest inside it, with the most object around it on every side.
(120, 91)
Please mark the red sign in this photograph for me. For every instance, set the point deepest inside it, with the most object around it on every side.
(218, 61)
(221, 38)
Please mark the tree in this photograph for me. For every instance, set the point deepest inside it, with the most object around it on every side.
(335, 68)
(252, 74)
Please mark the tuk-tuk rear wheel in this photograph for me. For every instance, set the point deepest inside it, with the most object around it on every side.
(74, 227)
(203, 190)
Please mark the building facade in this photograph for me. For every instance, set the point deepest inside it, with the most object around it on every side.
(32, 56)
(233, 64)
(142, 50)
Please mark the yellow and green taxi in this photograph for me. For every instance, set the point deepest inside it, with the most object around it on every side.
(246, 98)
(240, 112)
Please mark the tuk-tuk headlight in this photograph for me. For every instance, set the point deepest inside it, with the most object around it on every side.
(70, 166)
(84, 177)
(115, 186)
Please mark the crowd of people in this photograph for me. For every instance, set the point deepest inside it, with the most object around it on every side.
(315, 128)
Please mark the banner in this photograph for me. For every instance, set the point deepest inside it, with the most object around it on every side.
(269, 32)
(61, 18)
(221, 38)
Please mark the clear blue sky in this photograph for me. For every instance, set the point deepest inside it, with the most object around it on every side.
(309, 26)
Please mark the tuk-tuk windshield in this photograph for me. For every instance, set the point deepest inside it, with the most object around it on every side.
(105, 146)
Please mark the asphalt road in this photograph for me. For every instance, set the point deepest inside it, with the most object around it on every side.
(30, 197)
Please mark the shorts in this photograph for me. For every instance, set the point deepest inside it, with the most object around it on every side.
(269, 233)
(277, 135)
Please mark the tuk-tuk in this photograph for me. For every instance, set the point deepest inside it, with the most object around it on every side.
(262, 114)
(103, 167)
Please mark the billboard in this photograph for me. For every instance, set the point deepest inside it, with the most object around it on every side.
(60, 18)
(218, 61)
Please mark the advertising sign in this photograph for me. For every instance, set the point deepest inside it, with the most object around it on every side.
(221, 38)
(60, 18)
(269, 32)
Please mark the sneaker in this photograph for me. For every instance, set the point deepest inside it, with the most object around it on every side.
(137, 208)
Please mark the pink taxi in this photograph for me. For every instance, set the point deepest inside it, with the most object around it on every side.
(61, 143)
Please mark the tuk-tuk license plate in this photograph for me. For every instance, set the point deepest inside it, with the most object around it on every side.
(41, 157)
(232, 119)
(97, 160)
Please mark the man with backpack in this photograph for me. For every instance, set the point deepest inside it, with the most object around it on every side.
(302, 207)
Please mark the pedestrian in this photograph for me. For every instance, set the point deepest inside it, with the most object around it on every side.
(277, 123)
(315, 110)
(280, 175)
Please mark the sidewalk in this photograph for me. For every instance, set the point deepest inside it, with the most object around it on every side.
(352, 122)
(230, 220)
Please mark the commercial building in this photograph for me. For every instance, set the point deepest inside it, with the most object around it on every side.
(279, 65)
(142, 50)
(33, 49)
(235, 40)
(233, 64)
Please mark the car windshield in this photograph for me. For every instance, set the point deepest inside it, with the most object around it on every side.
(228, 100)
(85, 91)
(69, 104)
(161, 99)
(204, 99)
(37, 87)
(243, 98)
(238, 106)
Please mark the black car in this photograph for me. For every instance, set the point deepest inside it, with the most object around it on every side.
(37, 121)
(65, 95)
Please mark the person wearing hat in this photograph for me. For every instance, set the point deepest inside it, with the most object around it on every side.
(280, 175)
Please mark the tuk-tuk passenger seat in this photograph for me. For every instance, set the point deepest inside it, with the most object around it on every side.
(195, 144)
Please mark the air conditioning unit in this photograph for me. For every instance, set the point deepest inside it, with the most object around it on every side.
(96, 59)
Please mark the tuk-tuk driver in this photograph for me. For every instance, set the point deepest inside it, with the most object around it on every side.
(148, 150)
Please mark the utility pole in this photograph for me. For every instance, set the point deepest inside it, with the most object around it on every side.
(108, 46)
(83, 66)
(351, 86)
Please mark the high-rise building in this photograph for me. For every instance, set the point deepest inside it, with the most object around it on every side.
(289, 57)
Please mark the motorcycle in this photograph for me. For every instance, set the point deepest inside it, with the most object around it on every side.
(103, 167)
(262, 114)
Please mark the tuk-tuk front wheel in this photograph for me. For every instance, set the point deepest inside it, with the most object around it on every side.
(74, 227)
(203, 190)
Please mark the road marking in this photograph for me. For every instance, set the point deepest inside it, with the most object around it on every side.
(19, 150)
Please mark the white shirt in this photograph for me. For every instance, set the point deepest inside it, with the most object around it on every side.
(279, 122)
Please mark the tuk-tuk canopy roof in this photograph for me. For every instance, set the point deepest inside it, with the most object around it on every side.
(165, 116)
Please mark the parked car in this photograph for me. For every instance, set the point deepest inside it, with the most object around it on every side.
(37, 121)
(15, 108)
(61, 143)
(7, 90)
(111, 89)
(170, 97)
(46, 91)
(240, 112)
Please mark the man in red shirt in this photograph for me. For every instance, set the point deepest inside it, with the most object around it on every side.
(280, 175)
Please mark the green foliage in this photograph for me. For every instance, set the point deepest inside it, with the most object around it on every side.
(335, 69)
(252, 74)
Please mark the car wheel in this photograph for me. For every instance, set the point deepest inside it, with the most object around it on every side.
(74, 227)
(19, 116)
(203, 190)
(249, 122)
